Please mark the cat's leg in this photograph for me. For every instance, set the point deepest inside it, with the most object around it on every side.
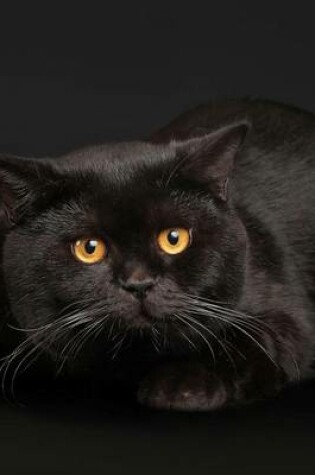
(260, 368)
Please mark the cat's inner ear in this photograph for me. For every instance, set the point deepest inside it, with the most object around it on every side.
(21, 180)
(208, 160)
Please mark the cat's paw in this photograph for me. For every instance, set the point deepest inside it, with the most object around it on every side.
(185, 387)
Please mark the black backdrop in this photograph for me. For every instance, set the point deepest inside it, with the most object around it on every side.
(80, 75)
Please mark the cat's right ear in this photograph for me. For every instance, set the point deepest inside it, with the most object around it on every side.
(21, 184)
(208, 160)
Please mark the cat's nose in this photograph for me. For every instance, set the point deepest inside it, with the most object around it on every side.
(138, 286)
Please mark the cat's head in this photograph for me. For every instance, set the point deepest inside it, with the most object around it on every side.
(129, 233)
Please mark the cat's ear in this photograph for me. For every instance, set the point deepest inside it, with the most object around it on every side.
(209, 160)
(21, 184)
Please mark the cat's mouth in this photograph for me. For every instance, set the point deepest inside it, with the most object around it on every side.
(150, 310)
(147, 315)
(144, 316)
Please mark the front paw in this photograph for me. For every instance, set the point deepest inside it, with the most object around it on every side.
(183, 386)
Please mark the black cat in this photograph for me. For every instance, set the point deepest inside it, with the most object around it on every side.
(183, 265)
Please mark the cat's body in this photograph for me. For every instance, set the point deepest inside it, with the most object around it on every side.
(228, 319)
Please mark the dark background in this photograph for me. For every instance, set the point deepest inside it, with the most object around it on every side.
(84, 75)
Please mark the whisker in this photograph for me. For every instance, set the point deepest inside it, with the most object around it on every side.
(214, 305)
(186, 337)
(213, 335)
(248, 325)
(20, 365)
(239, 327)
(155, 334)
(89, 333)
(118, 346)
(226, 318)
(183, 319)
(45, 334)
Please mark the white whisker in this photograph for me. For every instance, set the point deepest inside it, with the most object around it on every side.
(184, 320)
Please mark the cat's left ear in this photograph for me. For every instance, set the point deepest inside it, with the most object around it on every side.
(209, 160)
(23, 181)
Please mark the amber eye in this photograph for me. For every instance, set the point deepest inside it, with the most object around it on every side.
(174, 240)
(89, 251)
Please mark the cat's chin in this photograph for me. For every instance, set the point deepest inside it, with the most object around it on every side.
(145, 318)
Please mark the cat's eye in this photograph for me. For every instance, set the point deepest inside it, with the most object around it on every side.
(89, 251)
(174, 240)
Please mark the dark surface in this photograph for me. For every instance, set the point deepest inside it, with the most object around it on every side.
(74, 77)
(90, 436)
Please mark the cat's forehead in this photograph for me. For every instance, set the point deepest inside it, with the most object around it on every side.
(125, 178)
(118, 156)
(129, 177)
(124, 185)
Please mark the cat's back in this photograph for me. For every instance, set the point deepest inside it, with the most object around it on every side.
(272, 124)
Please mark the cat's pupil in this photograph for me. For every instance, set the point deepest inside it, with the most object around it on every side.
(90, 246)
(173, 237)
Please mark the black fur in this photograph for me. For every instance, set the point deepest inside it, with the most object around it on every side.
(230, 319)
